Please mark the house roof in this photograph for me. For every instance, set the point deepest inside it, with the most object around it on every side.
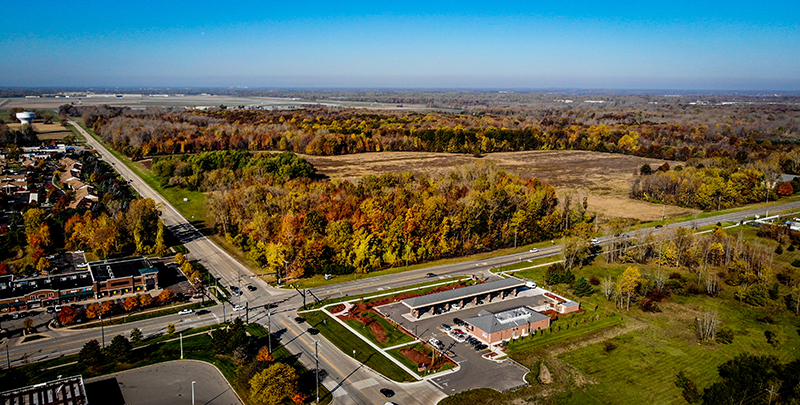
(495, 322)
(458, 293)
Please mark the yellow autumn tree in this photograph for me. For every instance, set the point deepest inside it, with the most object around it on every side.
(628, 283)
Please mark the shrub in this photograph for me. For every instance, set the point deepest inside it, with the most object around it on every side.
(796, 263)
(790, 248)
(766, 319)
(675, 275)
(772, 338)
(779, 249)
(608, 346)
(725, 336)
(594, 280)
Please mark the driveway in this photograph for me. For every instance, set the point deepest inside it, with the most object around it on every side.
(474, 368)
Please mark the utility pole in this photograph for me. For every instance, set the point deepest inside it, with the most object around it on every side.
(193, 391)
(102, 331)
(247, 312)
(182, 350)
(269, 328)
(316, 358)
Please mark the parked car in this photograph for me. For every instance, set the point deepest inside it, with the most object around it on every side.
(185, 311)
(458, 322)
(446, 326)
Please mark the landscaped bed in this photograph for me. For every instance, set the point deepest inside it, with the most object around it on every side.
(420, 358)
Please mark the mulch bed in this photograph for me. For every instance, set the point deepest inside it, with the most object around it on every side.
(420, 358)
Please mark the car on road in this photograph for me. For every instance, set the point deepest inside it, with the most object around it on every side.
(299, 319)
(312, 331)
(387, 392)
(238, 307)
(202, 312)
(251, 288)
(659, 226)
(185, 311)
(430, 275)
(271, 305)
(534, 250)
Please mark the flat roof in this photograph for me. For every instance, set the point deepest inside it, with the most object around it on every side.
(64, 391)
(511, 318)
(11, 287)
(119, 268)
(451, 295)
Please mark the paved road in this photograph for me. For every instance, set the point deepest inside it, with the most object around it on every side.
(354, 383)
(351, 382)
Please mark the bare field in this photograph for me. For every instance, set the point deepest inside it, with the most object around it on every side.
(602, 177)
(47, 132)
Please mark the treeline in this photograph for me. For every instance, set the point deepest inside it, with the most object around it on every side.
(708, 184)
(671, 132)
(222, 169)
(304, 227)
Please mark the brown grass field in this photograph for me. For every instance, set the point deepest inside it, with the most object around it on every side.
(603, 177)
(47, 132)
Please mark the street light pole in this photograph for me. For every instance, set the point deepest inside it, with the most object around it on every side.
(316, 358)
(182, 349)
(269, 328)
(193, 391)
(102, 331)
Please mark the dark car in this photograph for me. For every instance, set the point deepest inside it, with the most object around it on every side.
(313, 331)
(387, 392)
(445, 326)
(251, 288)
(659, 226)
(271, 305)
(430, 275)
(202, 312)
(458, 322)
(299, 319)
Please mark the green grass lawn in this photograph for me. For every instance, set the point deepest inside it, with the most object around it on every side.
(394, 336)
(347, 343)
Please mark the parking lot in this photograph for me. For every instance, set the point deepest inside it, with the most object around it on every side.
(474, 368)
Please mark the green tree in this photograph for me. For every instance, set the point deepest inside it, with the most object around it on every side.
(582, 288)
(136, 335)
(91, 355)
(274, 385)
(119, 350)
(170, 329)
(688, 387)
(743, 378)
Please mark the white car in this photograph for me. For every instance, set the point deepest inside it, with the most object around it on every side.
(534, 250)
(238, 307)
(185, 311)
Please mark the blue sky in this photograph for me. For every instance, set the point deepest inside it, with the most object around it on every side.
(705, 45)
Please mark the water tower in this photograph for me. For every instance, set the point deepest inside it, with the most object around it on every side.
(26, 118)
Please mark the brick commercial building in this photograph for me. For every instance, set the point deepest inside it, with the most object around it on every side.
(17, 294)
(123, 276)
(510, 324)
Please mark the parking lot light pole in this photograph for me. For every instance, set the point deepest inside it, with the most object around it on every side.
(269, 329)
(193, 391)
(102, 331)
